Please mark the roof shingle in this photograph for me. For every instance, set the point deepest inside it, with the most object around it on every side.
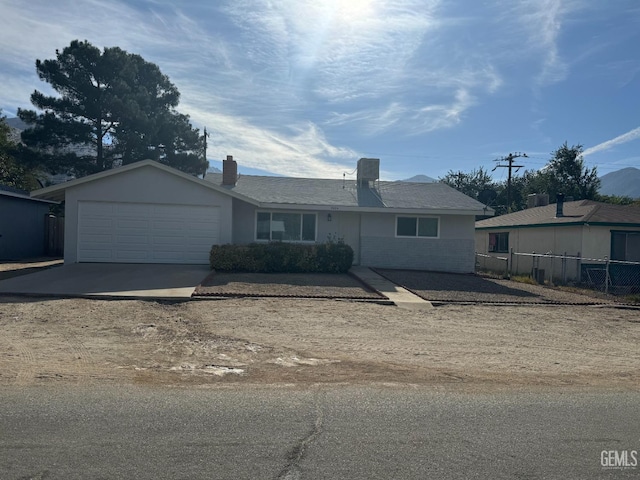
(346, 193)
(581, 211)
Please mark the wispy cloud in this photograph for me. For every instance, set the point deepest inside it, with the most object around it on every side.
(536, 26)
(624, 138)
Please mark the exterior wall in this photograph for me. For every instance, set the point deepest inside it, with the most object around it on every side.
(588, 241)
(453, 251)
(21, 228)
(344, 225)
(143, 185)
(244, 222)
(556, 240)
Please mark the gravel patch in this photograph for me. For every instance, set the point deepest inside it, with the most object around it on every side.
(452, 287)
(316, 285)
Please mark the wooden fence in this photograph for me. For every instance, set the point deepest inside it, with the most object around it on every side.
(53, 235)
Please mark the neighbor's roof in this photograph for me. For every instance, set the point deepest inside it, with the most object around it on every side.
(578, 212)
(283, 192)
(7, 191)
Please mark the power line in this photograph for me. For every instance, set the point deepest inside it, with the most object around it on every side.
(510, 158)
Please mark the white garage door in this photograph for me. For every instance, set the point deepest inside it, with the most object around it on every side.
(146, 233)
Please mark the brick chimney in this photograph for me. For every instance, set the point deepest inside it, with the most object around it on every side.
(559, 205)
(229, 171)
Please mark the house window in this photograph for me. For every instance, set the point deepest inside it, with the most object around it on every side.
(417, 227)
(625, 246)
(286, 227)
(499, 242)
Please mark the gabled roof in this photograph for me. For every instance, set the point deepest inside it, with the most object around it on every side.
(310, 193)
(56, 192)
(287, 192)
(575, 213)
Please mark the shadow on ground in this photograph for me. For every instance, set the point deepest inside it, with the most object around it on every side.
(25, 267)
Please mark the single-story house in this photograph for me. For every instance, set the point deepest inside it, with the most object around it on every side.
(22, 224)
(585, 228)
(147, 212)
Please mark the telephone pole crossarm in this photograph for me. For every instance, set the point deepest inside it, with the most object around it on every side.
(510, 159)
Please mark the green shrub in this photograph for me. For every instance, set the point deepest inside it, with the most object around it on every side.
(277, 257)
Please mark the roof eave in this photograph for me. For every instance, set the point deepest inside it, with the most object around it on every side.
(25, 197)
(355, 208)
(559, 224)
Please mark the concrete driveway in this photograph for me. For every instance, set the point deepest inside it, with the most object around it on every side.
(110, 280)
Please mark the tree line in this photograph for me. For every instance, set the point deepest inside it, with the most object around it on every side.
(110, 108)
(565, 173)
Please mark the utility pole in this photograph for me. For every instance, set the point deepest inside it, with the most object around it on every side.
(509, 159)
(206, 135)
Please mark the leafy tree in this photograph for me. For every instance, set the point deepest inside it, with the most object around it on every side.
(477, 183)
(12, 172)
(616, 199)
(566, 173)
(112, 108)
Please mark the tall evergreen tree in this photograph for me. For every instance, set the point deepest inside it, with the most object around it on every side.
(112, 108)
(13, 173)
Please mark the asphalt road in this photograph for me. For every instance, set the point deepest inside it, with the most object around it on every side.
(314, 433)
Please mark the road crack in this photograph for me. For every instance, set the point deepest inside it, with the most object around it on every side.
(292, 470)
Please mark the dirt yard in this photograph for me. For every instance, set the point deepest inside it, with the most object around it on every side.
(285, 341)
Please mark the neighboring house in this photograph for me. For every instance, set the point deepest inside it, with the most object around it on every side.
(22, 224)
(150, 213)
(584, 228)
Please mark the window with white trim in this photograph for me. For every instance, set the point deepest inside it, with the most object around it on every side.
(286, 227)
(428, 227)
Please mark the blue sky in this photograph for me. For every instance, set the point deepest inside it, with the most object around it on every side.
(306, 87)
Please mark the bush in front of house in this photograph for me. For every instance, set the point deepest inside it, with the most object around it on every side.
(278, 257)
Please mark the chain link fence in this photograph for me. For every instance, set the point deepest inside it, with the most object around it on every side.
(601, 274)
(492, 265)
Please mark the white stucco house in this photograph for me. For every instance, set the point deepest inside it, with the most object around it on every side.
(147, 212)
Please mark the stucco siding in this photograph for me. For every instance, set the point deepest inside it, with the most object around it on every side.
(21, 228)
(142, 185)
(343, 226)
(588, 241)
(453, 251)
(244, 222)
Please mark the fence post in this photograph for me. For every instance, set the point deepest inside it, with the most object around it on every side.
(553, 261)
(533, 264)
(510, 263)
(606, 276)
(579, 267)
(564, 268)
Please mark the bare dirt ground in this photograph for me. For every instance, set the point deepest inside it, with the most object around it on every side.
(287, 341)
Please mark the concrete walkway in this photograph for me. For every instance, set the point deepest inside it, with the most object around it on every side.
(110, 280)
(402, 297)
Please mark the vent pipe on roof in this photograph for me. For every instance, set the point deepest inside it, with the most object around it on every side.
(559, 205)
(229, 171)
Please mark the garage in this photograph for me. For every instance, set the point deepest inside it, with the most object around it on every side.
(144, 212)
(146, 233)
